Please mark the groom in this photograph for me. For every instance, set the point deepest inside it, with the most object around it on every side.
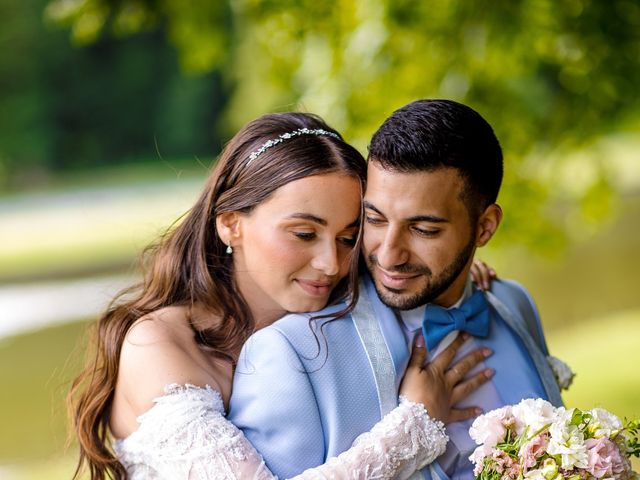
(305, 390)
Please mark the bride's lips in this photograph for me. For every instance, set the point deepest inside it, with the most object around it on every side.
(315, 288)
(397, 281)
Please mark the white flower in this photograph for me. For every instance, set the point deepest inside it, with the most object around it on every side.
(603, 423)
(548, 471)
(478, 455)
(488, 429)
(535, 474)
(563, 373)
(567, 441)
(533, 413)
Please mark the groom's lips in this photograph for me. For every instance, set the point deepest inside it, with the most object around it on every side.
(315, 288)
(396, 281)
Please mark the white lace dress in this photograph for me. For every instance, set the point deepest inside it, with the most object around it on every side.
(185, 436)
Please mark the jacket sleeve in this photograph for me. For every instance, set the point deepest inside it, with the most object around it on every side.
(274, 404)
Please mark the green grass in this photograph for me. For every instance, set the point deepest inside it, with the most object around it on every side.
(35, 370)
(58, 468)
(605, 356)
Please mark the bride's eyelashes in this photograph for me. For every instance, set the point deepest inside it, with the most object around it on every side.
(349, 241)
(306, 236)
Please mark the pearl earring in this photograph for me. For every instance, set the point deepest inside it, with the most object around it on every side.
(229, 250)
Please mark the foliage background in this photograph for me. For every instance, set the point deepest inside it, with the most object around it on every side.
(111, 111)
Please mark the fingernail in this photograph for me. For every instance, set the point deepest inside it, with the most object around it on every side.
(419, 341)
(486, 352)
(489, 372)
(478, 411)
(465, 335)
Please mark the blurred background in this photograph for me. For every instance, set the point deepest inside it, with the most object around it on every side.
(112, 111)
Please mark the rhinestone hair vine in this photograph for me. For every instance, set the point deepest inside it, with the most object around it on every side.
(286, 136)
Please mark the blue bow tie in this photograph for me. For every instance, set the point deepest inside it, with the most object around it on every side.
(472, 317)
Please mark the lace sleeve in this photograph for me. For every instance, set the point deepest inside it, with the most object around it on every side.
(185, 436)
(404, 441)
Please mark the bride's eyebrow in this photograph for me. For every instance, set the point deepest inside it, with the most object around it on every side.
(308, 216)
(320, 221)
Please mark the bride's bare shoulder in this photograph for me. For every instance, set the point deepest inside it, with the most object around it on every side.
(159, 350)
(167, 325)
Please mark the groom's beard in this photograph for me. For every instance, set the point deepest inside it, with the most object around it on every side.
(436, 284)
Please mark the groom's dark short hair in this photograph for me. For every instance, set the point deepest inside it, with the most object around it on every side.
(426, 135)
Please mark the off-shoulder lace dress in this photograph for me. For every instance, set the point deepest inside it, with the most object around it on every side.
(185, 436)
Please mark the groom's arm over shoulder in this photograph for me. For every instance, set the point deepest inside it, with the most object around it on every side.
(517, 297)
(274, 404)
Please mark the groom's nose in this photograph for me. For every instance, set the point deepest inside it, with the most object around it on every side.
(392, 250)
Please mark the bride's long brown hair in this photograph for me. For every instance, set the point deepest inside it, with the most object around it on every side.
(188, 266)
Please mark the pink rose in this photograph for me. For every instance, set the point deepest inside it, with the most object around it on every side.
(604, 458)
(532, 450)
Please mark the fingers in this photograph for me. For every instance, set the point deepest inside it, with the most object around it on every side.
(419, 353)
(460, 414)
(443, 360)
(482, 274)
(463, 366)
(477, 274)
(464, 388)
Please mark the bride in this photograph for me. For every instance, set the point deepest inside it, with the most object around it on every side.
(275, 230)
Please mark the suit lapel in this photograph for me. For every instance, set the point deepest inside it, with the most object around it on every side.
(388, 353)
(539, 359)
(375, 328)
(391, 330)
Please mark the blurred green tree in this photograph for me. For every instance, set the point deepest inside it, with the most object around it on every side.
(118, 100)
(551, 77)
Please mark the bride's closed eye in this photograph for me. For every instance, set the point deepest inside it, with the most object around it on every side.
(306, 236)
(349, 241)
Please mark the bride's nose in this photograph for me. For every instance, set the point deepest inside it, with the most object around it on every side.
(326, 259)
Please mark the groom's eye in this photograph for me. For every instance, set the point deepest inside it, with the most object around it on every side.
(373, 220)
(426, 232)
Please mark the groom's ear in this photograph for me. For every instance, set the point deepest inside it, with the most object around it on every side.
(228, 227)
(488, 223)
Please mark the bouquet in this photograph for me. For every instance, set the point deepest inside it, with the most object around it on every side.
(535, 440)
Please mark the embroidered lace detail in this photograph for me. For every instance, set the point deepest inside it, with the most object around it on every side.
(185, 436)
(561, 371)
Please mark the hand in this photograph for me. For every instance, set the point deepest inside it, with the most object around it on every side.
(438, 385)
(482, 274)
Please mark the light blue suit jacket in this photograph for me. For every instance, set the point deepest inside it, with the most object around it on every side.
(305, 389)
